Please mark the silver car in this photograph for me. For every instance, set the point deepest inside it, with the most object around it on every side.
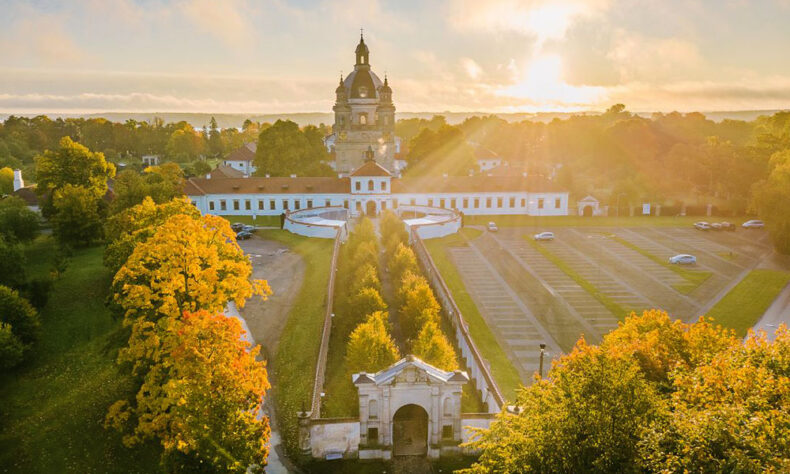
(683, 259)
(544, 236)
(753, 224)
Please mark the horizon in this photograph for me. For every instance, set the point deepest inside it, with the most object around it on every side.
(508, 56)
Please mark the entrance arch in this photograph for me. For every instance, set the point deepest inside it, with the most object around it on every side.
(370, 208)
(587, 211)
(410, 431)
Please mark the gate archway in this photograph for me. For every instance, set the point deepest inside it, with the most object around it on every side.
(410, 431)
(587, 211)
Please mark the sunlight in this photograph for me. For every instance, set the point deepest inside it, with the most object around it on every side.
(543, 84)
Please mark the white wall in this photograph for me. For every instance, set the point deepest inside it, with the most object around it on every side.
(335, 437)
(381, 185)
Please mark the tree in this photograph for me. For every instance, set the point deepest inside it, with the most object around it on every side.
(419, 307)
(11, 348)
(160, 183)
(185, 144)
(433, 347)
(770, 198)
(6, 181)
(202, 400)
(393, 232)
(71, 164)
(17, 312)
(17, 222)
(78, 215)
(214, 138)
(366, 253)
(365, 276)
(283, 150)
(444, 151)
(402, 261)
(366, 301)
(186, 265)
(370, 347)
(135, 225)
(12, 264)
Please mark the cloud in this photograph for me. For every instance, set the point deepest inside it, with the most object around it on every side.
(542, 19)
(473, 70)
(640, 58)
(40, 39)
(225, 20)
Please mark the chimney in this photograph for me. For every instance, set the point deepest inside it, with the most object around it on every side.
(19, 183)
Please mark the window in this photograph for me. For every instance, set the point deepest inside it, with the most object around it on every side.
(430, 202)
(441, 203)
(373, 409)
(297, 204)
(309, 203)
(488, 203)
(327, 203)
(211, 205)
(345, 203)
(523, 202)
(260, 205)
(447, 432)
(512, 202)
(285, 204)
(557, 203)
(363, 118)
(223, 206)
(358, 186)
(383, 185)
(477, 203)
(452, 203)
(272, 204)
(540, 203)
(499, 202)
(370, 185)
(466, 203)
(373, 435)
(235, 204)
(247, 204)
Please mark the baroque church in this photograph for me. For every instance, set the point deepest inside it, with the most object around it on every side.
(364, 118)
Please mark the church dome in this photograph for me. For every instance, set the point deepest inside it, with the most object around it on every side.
(362, 84)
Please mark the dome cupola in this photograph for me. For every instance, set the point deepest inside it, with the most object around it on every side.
(362, 52)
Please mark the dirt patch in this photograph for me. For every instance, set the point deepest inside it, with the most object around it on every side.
(284, 270)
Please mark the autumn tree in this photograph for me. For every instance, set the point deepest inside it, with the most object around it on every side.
(160, 183)
(419, 307)
(393, 232)
(370, 347)
(432, 346)
(202, 400)
(6, 180)
(71, 164)
(366, 301)
(402, 261)
(78, 215)
(21, 321)
(132, 226)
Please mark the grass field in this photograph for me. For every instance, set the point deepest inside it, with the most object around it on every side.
(694, 278)
(742, 307)
(618, 311)
(262, 221)
(578, 221)
(502, 369)
(52, 409)
(297, 352)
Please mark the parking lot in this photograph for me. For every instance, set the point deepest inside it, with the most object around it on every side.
(528, 298)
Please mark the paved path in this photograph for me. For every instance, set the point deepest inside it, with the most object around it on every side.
(777, 313)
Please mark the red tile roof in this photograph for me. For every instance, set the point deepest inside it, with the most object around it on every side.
(225, 171)
(244, 153)
(371, 168)
(278, 185)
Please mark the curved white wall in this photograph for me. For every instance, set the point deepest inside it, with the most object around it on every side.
(322, 222)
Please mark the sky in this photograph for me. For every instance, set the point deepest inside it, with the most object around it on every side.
(277, 56)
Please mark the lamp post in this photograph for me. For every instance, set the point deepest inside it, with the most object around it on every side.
(542, 352)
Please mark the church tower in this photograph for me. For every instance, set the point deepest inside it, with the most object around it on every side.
(364, 117)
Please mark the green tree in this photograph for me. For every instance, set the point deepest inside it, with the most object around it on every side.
(215, 146)
(283, 150)
(433, 347)
(370, 347)
(366, 301)
(403, 260)
(444, 151)
(419, 307)
(78, 215)
(20, 315)
(12, 263)
(71, 164)
(770, 200)
(160, 183)
(185, 144)
(11, 348)
(393, 232)
(17, 222)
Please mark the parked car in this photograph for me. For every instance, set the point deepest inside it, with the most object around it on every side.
(492, 227)
(243, 235)
(702, 226)
(716, 226)
(237, 226)
(248, 228)
(545, 236)
(683, 259)
(753, 224)
(728, 226)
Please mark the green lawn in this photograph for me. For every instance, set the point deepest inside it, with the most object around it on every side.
(297, 352)
(743, 306)
(578, 221)
(262, 221)
(618, 311)
(694, 278)
(52, 409)
(502, 368)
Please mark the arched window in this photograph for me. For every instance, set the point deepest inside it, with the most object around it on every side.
(373, 409)
(363, 119)
(370, 185)
(448, 407)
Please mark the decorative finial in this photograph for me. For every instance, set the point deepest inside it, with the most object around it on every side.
(385, 78)
(361, 36)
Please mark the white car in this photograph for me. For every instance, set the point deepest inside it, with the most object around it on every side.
(702, 226)
(683, 259)
(753, 224)
(545, 236)
(492, 227)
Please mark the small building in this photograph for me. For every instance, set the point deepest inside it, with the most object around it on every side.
(487, 159)
(151, 160)
(243, 159)
(589, 206)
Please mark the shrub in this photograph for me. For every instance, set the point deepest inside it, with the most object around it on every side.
(17, 312)
(370, 347)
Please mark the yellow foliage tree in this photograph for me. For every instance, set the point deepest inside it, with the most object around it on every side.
(419, 307)
(202, 399)
(433, 347)
(402, 261)
(370, 347)
(366, 301)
